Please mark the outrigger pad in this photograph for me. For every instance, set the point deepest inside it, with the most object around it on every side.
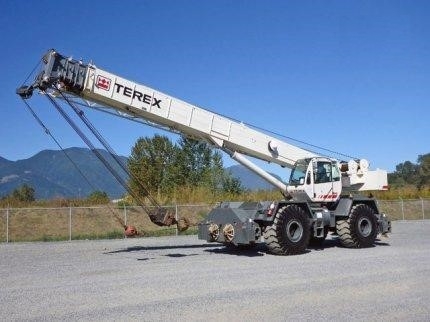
(130, 231)
(163, 217)
(183, 224)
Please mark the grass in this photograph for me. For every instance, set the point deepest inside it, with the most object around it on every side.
(403, 192)
(49, 220)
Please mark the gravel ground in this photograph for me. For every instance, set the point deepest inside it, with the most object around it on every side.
(182, 278)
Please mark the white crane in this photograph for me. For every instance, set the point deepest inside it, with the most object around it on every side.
(319, 195)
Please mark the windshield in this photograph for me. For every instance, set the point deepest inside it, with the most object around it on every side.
(299, 172)
(335, 172)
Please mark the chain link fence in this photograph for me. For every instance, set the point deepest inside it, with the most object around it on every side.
(406, 209)
(71, 223)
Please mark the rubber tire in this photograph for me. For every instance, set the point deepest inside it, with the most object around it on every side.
(276, 237)
(350, 234)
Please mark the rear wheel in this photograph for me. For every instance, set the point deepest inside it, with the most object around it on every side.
(289, 233)
(360, 229)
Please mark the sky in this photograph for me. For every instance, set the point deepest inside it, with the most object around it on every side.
(349, 76)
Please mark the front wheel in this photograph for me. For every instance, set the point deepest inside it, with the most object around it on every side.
(289, 233)
(360, 229)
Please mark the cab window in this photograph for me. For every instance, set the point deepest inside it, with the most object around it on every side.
(323, 172)
(335, 172)
(298, 173)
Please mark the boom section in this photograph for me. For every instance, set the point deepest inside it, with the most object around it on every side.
(102, 87)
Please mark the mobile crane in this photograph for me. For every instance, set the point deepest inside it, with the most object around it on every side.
(322, 194)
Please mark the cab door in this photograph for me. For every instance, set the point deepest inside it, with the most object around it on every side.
(326, 180)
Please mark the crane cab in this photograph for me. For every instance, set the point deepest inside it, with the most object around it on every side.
(315, 180)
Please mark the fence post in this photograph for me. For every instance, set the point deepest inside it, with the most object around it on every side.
(125, 217)
(7, 225)
(70, 223)
(176, 217)
(125, 214)
(403, 210)
(422, 207)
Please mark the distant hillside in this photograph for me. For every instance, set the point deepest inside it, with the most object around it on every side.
(52, 175)
(249, 179)
(4, 162)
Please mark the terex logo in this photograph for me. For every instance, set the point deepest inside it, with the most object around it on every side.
(144, 98)
(103, 82)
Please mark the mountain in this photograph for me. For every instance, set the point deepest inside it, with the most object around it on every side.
(53, 175)
(4, 162)
(249, 179)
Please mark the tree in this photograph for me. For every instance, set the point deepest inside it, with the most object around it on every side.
(409, 173)
(218, 174)
(406, 173)
(25, 193)
(424, 170)
(153, 165)
(162, 167)
(199, 165)
(193, 162)
(232, 185)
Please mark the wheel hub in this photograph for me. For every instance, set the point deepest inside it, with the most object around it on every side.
(294, 230)
(213, 231)
(364, 227)
(228, 231)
